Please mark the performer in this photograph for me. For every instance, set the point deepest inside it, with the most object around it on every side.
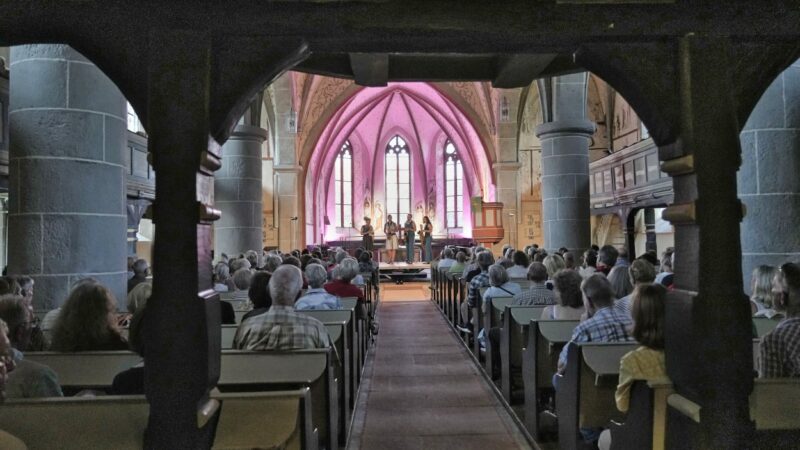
(427, 239)
(390, 229)
(409, 229)
(367, 233)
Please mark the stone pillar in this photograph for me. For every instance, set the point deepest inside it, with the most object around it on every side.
(768, 184)
(565, 138)
(67, 216)
(651, 240)
(237, 192)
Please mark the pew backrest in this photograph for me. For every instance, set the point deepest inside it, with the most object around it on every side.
(77, 422)
(764, 325)
(774, 403)
(86, 369)
(349, 302)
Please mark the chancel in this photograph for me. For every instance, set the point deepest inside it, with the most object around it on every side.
(417, 225)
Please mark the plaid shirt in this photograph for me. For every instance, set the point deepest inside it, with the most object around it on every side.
(607, 325)
(780, 350)
(281, 328)
(478, 281)
(538, 294)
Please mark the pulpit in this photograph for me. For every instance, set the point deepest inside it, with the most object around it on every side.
(487, 222)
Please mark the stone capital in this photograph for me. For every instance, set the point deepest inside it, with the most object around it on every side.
(248, 132)
(287, 168)
(569, 127)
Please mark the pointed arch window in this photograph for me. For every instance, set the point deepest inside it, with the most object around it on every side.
(343, 186)
(453, 186)
(398, 179)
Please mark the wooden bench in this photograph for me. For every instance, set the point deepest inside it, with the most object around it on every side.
(645, 421)
(492, 318)
(545, 340)
(585, 395)
(764, 325)
(249, 420)
(353, 332)
(240, 371)
(516, 321)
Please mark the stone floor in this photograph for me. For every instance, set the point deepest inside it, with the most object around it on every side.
(421, 389)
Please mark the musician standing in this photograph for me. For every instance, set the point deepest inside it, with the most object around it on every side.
(390, 229)
(367, 233)
(427, 239)
(410, 229)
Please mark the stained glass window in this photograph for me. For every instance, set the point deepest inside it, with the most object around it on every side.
(343, 186)
(398, 179)
(453, 186)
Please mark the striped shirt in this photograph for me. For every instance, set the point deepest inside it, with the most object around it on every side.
(475, 284)
(281, 328)
(606, 325)
(780, 350)
(538, 294)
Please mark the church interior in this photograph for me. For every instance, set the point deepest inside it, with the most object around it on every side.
(560, 224)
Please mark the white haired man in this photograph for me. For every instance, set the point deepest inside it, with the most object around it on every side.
(281, 328)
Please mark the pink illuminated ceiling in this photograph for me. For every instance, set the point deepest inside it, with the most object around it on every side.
(425, 119)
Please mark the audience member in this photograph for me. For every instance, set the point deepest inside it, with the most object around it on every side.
(520, 268)
(273, 262)
(7, 441)
(569, 298)
(259, 294)
(646, 362)
(666, 276)
(458, 267)
(640, 272)
(780, 348)
(620, 281)
(605, 324)
(762, 299)
(87, 321)
(29, 379)
(252, 258)
(553, 263)
(341, 286)
(622, 257)
(589, 263)
(241, 280)
(238, 264)
(447, 261)
(537, 294)
(140, 269)
(281, 328)
(499, 286)
(131, 381)
(316, 297)
(484, 260)
(222, 278)
(606, 258)
(569, 260)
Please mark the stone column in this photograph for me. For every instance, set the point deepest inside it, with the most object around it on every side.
(67, 216)
(237, 192)
(768, 184)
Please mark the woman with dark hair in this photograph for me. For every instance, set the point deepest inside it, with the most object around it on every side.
(259, 294)
(88, 321)
(646, 362)
(567, 288)
(427, 239)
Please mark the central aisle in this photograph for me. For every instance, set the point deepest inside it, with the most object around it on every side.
(421, 389)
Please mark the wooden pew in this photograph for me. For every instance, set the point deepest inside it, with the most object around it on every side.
(775, 409)
(764, 325)
(491, 319)
(240, 371)
(585, 395)
(280, 419)
(645, 421)
(249, 420)
(546, 338)
(353, 332)
(516, 321)
(266, 371)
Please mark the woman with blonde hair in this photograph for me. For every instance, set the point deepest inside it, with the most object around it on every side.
(762, 299)
(554, 263)
(88, 321)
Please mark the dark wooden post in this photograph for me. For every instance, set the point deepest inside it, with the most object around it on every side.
(180, 365)
(709, 352)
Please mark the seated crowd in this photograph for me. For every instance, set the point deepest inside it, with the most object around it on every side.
(617, 300)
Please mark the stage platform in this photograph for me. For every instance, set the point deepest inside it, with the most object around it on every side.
(400, 272)
(403, 266)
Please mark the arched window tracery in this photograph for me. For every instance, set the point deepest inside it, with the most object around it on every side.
(453, 186)
(343, 186)
(398, 179)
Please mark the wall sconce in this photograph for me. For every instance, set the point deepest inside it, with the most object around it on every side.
(291, 122)
(504, 113)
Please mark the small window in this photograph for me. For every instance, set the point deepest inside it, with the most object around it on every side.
(343, 186)
(398, 179)
(134, 125)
